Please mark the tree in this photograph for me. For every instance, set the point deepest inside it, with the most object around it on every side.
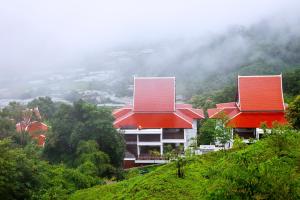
(83, 122)
(291, 82)
(91, 161)
(180, 163)
(207, 132)
(23, 175)
(223, 133)
(17, 178)
(46, 106)
(7, 127)
(13, 111)
(58, 145)
(293, 113)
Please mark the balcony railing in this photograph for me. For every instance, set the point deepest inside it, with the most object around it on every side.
(150, 157)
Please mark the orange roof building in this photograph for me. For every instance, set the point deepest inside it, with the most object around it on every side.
(259, 101)
(155, 120)
(35, 129)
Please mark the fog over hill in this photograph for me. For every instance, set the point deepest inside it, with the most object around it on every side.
(92, 50)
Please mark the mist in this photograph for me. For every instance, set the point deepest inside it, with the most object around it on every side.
(63, 41)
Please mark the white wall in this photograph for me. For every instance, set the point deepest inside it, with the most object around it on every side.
(189, 134)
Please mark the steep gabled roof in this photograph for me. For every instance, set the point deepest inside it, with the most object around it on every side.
(154, 94)
(260, 99)
(260, 93)
(154, 107)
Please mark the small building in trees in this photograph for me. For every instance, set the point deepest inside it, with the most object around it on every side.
(259, 102)
(32, 125)
(154, 122)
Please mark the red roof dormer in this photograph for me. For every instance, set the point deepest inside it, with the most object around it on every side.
(260, 93)
(154, 94)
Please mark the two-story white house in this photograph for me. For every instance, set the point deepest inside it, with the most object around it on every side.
(154, 120)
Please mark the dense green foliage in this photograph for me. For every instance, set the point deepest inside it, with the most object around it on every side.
(267, 169)
(83, 122)
(293, 113)
(7, 127)
(291, 82)
(82, 147)
(23, 175)
(13, 111)
(46, 106)
(207, 132)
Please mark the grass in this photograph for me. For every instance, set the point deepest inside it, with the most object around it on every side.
(267, 169)
(156, 184)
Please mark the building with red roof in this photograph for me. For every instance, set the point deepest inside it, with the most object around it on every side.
(36, 129)
(259, 101)
(155, 121)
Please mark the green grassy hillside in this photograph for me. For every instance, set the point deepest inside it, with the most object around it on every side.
(268, 169)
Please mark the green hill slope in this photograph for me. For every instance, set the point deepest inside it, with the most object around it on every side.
(268, 169)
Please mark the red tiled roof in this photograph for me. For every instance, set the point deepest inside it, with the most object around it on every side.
(212, 111)
(36, 127)
(154, 107)
(226, 105)
(183, 105)
(232, 112)
(255, 119)
(216, 113)
(122, 111)
(154, 94)
(154, 120)
(132, 119)
(260, 100)
(192, 113)
(260, 93)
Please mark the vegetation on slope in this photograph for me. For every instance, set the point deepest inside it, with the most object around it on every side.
(82, 149)
(268, 169)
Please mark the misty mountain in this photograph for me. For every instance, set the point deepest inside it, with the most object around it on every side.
(209, 62)
(201, 64)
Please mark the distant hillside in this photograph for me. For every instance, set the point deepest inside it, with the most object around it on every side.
(205, 64)
(267, 169)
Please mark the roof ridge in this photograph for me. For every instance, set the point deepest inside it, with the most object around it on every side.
(193, 111)
(123, 117)
(155, 77)
(180, 115)
(250, 76)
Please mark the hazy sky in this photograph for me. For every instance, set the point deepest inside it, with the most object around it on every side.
(52, 34)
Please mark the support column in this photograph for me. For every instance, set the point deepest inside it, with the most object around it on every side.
(137, 143)
(162, 145)
(185, 144)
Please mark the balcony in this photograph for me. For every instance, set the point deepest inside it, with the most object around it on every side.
(130, 139)
(149, 138)
(245, 133)
(173, 134)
